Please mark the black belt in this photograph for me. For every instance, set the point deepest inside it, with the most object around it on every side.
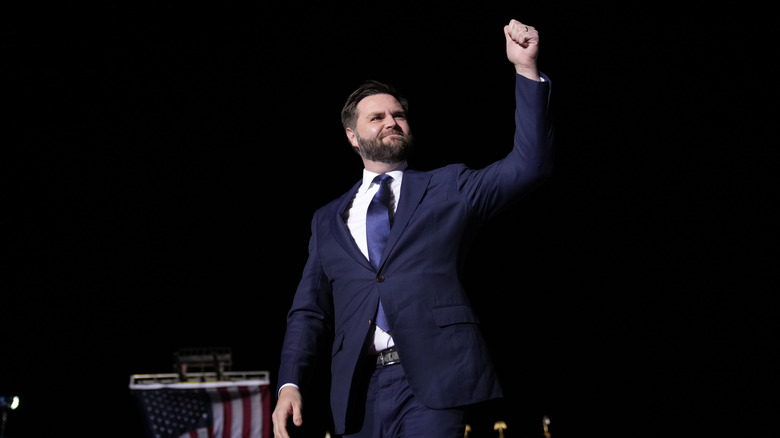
(387, 357)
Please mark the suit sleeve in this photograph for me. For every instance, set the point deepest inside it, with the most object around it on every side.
(490, 189)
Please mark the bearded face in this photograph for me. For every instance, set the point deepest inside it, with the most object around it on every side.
(389, 147)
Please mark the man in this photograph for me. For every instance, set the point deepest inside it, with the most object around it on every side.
(417, 378)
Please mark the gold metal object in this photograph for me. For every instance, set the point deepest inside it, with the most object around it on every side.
(500, 426)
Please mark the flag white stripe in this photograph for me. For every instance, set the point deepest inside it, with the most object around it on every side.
(237, 411)
(257, 407)
(218, 413)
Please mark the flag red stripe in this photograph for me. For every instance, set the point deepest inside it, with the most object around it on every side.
(265, 393)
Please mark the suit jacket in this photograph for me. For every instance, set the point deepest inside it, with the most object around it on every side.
(432, 321)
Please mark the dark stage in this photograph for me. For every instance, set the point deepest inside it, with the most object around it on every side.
(159, 154)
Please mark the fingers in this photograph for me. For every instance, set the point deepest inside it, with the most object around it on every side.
(280, 417)
(288, 407)
(280, 424)
(520, 33)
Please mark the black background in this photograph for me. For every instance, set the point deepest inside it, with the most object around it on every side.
(166, 160)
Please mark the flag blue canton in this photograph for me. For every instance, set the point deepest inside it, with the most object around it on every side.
(171, 413)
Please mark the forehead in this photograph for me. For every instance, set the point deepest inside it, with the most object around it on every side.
(379, 103)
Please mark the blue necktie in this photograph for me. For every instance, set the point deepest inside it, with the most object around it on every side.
(377, 230)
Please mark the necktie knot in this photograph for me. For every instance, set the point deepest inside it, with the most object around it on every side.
(382, 196)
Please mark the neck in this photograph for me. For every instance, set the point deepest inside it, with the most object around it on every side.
(377, 167)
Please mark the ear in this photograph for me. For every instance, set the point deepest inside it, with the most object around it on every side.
(351, 137)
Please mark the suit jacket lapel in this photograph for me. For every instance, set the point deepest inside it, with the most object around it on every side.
(412, 190)
(339, 229)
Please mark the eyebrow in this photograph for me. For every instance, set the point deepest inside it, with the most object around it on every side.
(396, 113)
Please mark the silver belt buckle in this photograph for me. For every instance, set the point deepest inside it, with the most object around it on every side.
(389, 358)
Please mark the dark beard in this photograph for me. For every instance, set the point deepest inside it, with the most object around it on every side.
(394, 151)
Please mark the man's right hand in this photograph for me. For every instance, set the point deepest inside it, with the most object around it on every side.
(289, 405)
(522, 48)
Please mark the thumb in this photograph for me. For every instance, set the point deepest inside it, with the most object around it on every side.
(297, 417)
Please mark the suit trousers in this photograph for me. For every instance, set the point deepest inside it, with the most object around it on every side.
(392, 411)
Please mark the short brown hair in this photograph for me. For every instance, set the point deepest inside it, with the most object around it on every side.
(368, 88)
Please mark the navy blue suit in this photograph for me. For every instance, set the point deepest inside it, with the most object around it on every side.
(433, 324)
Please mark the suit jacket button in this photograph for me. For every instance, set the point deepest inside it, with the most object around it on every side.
(380, 278)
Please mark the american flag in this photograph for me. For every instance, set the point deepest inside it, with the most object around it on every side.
(206, 410)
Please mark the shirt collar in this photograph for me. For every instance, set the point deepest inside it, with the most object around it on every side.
(368, 177)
